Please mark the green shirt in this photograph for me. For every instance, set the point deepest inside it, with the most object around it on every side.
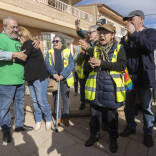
(10, 73)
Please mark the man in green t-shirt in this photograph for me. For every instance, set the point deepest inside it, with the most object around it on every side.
(12, 85)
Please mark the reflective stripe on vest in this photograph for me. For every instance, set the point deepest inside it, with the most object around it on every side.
(117, 77)
(65, 57)
(90, 86)
(80, 71)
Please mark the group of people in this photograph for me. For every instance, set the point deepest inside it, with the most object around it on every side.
(21, 60)
(104, 65)
(100, 67)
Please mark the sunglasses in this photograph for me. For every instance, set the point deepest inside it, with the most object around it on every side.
(56, 41)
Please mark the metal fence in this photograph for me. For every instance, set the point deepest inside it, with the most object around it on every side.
(63, 7)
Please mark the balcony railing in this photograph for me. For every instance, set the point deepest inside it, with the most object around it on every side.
(42, 1)
(63, 7)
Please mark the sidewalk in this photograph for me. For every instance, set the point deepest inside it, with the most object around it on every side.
(70, 142)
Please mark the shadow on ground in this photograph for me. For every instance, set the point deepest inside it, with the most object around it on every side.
(70, 142)
(22, 145)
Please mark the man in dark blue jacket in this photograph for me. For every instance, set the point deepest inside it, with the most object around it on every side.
(140, 55)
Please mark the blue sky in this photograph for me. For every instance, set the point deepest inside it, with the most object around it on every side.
(123, 7)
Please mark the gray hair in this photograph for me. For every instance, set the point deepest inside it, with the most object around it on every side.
(5, 20)
(95, 27)
(62, 40)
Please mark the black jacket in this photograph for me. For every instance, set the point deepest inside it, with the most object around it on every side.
(140, 55)
(34, 68)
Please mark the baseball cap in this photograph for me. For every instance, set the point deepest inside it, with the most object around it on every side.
(134, 13)
(82, 33)
(102, 21)
(107, 27)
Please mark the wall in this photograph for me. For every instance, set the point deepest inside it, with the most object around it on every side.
(71, 2)
(31, 13)
(91, 9)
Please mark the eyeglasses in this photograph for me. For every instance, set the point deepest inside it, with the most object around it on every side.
(56, 41)
(104, 32)
(14, 27)
(91, 32)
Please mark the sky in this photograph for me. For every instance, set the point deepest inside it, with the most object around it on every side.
(123, 7)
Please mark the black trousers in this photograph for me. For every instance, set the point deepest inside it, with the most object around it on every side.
(75, 82)
(106, 116)
(82, 90)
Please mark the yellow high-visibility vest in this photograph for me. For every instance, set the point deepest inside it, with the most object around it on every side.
(65, 57)
(80, 70)
(90, 87)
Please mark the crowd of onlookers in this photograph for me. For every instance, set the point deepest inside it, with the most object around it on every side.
(110, 74)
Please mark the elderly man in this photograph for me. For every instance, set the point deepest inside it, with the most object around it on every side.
(140, 48)
(11, 80)
(82, 61)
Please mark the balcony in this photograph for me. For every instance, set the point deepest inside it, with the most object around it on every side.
(59, 5)
(49, 15)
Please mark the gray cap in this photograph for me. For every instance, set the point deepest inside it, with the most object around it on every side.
(134, 13)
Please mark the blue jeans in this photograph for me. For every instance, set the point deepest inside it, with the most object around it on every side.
(145, 95)
(38, 92)
(8, 94)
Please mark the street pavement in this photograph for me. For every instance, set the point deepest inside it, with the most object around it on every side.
(70, 141)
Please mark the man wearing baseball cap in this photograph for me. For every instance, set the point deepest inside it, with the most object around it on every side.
(141, 66)
(134, 13)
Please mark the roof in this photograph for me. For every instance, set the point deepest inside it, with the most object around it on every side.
(96, 2)
(88, 2)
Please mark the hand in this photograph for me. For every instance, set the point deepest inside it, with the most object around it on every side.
(84, 44)
(61, 77)
(36, 43)
(94, 62)
(82, 51)
(20, 55)
(56, 77)
(130, 28)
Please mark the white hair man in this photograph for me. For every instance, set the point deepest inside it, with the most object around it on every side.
(12, 85)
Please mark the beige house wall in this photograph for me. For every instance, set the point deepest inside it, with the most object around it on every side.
(71, 2)
(39, 15)
(101, 11)
(91, 9)
(116, 24)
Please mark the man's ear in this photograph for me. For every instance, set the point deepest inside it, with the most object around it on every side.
(142, 20)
